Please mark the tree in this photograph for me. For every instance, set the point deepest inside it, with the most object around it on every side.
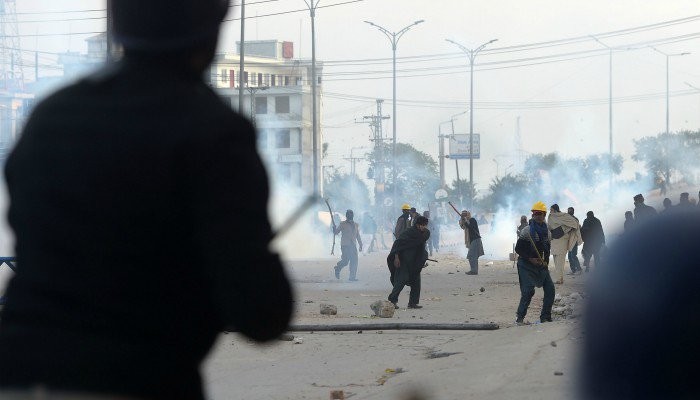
(417, 176)
(461, 193)
(666, 154)
(347, 192)
(508, 192)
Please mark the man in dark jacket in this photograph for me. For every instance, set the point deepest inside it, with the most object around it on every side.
(593, 239)
(406, 260)
(642, 211)
(472, 239)
(533, 248)
(135, 244)
(641, 316)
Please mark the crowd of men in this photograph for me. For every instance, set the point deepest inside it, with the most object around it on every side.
(557, 234)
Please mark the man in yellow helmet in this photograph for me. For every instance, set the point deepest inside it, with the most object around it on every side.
(533, 247)
(402, 223)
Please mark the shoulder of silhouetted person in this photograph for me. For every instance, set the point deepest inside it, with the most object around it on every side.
(641, 323)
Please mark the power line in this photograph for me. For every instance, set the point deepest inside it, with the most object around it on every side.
(293, 11)
(518, 105)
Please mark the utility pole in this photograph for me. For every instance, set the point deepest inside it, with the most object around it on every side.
(11, 68)
(442, 156)
(471, 55)
(375, 124)
(109, 34)
(241, 60)
(394, 38)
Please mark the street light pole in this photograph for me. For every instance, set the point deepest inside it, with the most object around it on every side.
(666, 172)
(394, 40)
(667, 82)
(471, 54)
(312, 5)
(610, 118)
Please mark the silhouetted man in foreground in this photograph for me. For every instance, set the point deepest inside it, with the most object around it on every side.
(641, 320)
(135, 243)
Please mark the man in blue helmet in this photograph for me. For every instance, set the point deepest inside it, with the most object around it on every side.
(135, 244)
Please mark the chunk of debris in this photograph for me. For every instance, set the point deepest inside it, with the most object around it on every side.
(328, 309)
(337, 395)
(383, 308)
(287, 337)
(439, 354)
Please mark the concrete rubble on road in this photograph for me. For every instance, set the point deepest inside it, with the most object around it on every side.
(568, 306)
(383, 308)
(328, 309)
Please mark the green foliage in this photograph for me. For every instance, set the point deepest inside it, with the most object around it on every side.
(509, 191)
(672, 155)
(546, 176)
(346, 191)
(461, 192)
(417, 175)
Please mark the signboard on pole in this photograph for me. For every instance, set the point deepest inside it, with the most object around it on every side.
(459, 147)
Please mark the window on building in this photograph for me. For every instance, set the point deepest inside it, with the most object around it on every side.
(260, 79)
(262, 139)
(261, 105)
(272, 80)
(224, 75)
(298, 80)
(245, 77)
(283, 139)
(285, 171)
(282, 105)
(286, 81)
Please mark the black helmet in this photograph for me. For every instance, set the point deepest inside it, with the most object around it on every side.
(166, 25)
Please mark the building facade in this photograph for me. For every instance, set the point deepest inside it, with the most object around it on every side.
(278, 99)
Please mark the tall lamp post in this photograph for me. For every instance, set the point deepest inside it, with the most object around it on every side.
(312, 5)
(394, 40)
(667, 104)
(610, 116)
(667, 57)
(471, 55)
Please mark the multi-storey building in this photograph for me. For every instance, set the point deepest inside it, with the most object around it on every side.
(278, 99)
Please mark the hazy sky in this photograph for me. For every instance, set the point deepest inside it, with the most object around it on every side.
(552, 99)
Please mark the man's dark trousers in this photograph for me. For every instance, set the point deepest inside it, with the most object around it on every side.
(348, 255)
(587, 258)
(527, 273)
(574, 264)
(402, 277)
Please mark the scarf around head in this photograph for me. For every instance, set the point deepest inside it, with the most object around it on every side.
(538, 232)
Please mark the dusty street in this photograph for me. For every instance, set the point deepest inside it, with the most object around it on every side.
(527, 362)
